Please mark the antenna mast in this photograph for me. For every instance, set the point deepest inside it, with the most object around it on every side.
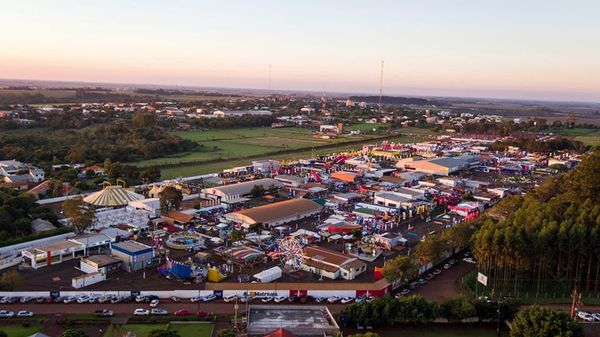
(269, 76)
(381, 84)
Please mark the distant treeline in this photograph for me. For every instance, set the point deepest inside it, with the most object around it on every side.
(159, 91)
(393, 100)
(80, 96)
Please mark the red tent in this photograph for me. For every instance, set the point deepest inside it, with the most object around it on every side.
(281, 332)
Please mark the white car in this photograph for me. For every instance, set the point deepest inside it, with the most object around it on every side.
(208, 298)
(25, 299)
(196, 299)
(280, 299)
(159, 311)
(320, 299)
(154, 303)
(141, 312)
(246, 299)
(267, 299)
(347, 300)
(447, 266)
(24, 313)
(469, 260)
(83, 299)
(333, 299)
(141, 298)
(6, 314)
(596, 315)
(70, 299)
(229, 298)
(586, 316)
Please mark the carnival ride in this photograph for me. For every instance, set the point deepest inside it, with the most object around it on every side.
(289, 250)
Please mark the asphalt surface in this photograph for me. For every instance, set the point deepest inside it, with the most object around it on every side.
(128, 308)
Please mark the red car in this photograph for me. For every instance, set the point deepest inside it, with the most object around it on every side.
(202, 314)
(181, 312)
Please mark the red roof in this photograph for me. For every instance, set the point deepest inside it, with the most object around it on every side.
(281, 332)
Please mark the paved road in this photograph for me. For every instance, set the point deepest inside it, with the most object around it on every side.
(128, 308)
(446, 284)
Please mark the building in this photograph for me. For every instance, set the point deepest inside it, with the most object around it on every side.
(134, 255)
(290, 320)
(52, 253)
(239, 113)
(176, 218)
(438, 166)
(268, 165)
(9, 168)
(234, 192)
(104, 264)
(276, 214)
(289, 180)
(331, 264)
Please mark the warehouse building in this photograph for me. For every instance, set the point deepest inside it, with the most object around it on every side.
(438, 166)
(134, 255)
(234, 192)
(277, 213)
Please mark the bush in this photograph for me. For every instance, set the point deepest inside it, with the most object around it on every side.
(455, 309)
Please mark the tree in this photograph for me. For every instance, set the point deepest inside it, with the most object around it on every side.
(163, 333)
(143, 120)
(399, 268)
(80, 214)
(539, 321)
(3, 334)
(257, 191)
(73, 333)
(226, 333)
(170, 199)
(457, 308)
(151, 174)
(430, 250)
(11, 280)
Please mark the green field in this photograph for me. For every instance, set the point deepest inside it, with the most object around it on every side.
(585, 135)
(19, 331)
(142, 330)
(235, 146)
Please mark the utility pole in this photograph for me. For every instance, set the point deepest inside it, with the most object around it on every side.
(576, 302)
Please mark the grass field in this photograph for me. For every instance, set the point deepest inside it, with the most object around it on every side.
(585, 135)
(19, 331)
(142, 330)
(234, 150)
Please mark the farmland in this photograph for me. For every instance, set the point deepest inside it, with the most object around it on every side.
(588, 136)
(221, 149)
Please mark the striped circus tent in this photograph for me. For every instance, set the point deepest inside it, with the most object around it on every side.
(112, 196)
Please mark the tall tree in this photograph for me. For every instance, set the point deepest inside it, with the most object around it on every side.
(81, 215)
(399, 268)
(170, 199)
(539, 321)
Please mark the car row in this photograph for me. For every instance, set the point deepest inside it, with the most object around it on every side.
(10, 314)
(588, 316)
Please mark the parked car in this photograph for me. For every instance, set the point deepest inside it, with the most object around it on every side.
(70, 299)
(40, 300)
(6, 314)
(333, 299)
(246, 299)
(154, 303)
(359, 299)
(469, 260)
(83, 299)
(141, 312)
(182, 312)
(320, 299)
(346, 300)
(104, 313)
(280, 299)
(596, 315)
(159, 311)
(422, 281)
(141, 298)
(24, 313)
(437, 272)
(586, 316)
(267, 299)
(293, 299)
(25, 299)
(229, 298)
(104, 299)
(413, 285)
(447, 266)
(203, 314)
(59, 299)
(208, 298)
(175, 299)
(429, 276)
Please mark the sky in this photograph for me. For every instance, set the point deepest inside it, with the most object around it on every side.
(529, 49)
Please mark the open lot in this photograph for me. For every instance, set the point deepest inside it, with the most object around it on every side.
(234, 147)
(185, 330)
(585, 135)
(19, 330)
